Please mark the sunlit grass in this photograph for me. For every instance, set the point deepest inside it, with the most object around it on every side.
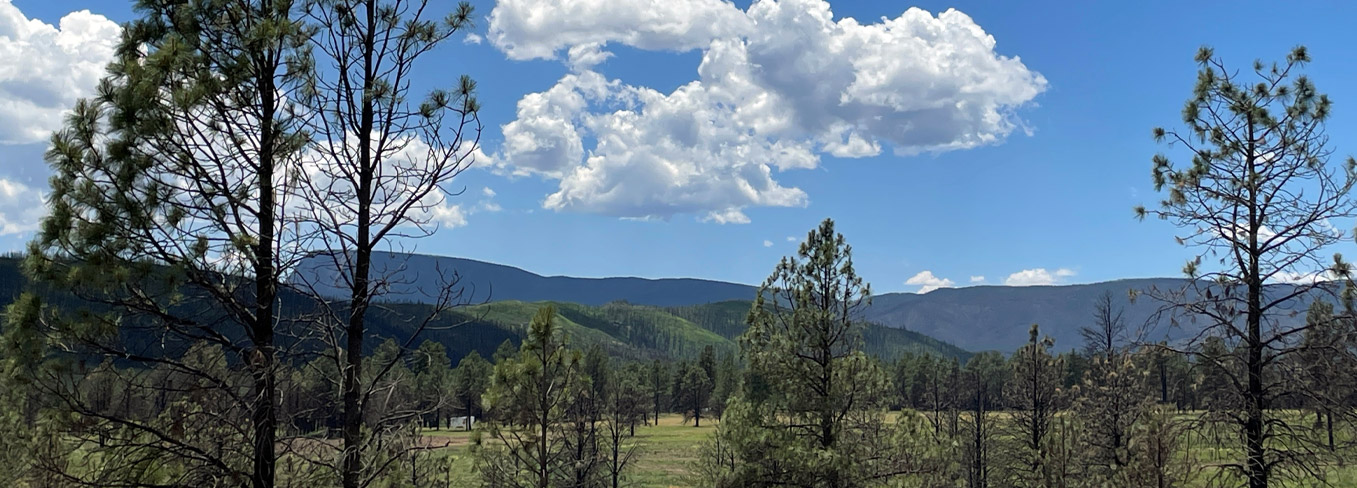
(669, 453)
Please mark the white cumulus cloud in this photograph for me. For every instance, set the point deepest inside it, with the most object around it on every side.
(448, 216)
(21, 207)
(927, 282)
(1303, 278)
(44, 69)
(537, 29)
(978, 279)
(767, 243)
(779, 85)
(1038, 277)
(401, 171)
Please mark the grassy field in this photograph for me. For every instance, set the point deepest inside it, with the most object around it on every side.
(669, 452)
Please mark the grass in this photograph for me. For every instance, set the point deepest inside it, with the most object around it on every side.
(665, 459)
(668, 455)
(669, 452)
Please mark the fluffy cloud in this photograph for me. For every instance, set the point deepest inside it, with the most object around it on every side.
(778, 86)
(927, 282)
(20, 207)
(537, 29)
(44, 69)
(448, 216)
(978, 279)
(1299, 278)
(401, 173)
(767, 243)
(1038, 277)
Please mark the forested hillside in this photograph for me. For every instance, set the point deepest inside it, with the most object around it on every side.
(624, 330)
(497, 282)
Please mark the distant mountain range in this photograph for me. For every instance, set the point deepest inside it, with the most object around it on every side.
(414, 275)
(975, 318)
(641, 318)
(980, 318)
(654, 325)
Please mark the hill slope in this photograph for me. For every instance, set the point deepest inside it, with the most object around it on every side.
(973, 318)
(625, 330)
(949, 319)
(728, 319)
(998, 317)
(419, 273)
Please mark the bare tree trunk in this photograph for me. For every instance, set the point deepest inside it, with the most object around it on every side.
(1254, 396)
(1328, 420)
(266, 291)
(358, 302)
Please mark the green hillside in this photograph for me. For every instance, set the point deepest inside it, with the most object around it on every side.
(624, 330)
(642, 331)
(728, 319)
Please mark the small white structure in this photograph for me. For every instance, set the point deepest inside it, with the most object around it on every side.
(463, 423)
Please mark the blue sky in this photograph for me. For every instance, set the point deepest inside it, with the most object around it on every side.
(1037, 190)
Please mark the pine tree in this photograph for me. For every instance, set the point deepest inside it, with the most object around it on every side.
(1111, 403)
(1257, 200)
(1158, 458)
(981, 384)
(533, 391)
(470, 380)
(622, 407)
(694, 392)
(433, 372)
(168, 187)
(378, 169)
(1327, 362)
(726, 384)
(822, 422)
(657, 384)
(1035, 396)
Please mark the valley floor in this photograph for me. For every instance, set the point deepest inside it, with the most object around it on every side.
(669, 452)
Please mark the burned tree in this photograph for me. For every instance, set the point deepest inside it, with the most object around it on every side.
(1255, 204)
(379, 174)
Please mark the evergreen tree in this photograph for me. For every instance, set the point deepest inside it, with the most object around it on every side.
(823, 422)
(470, 381)
(168, 186)
(1035, 395)
(622, 407)
(1326, 370)
(378, 169)
(657, 385)
(694, 392)
(584, 412)
(533, 391)
(433, 373)
(726, 384)
(1112, 401)
(981, 385)
(707, 361)
(506, 350)
(1256, 204)
(1158, 456)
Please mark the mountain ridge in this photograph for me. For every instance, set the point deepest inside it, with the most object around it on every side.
(515, 283)
(974, 318)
